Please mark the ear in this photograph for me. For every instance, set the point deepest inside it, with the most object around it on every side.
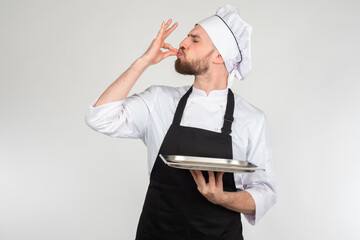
(218, 59)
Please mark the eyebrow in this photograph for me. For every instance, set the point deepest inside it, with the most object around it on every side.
(194, 36)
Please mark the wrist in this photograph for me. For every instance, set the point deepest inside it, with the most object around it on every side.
(225, 199)
(144, 60)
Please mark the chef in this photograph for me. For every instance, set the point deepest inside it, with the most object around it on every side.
(205, 119)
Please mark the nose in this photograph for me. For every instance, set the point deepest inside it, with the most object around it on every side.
(184, 43)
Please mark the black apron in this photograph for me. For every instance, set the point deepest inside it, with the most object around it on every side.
(174, 208)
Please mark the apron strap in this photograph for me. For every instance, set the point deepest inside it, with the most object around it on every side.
(229, 113)
(180, 107)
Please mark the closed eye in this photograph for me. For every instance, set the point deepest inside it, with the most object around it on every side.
(194, 37)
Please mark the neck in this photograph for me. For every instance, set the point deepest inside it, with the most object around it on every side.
(209, 82)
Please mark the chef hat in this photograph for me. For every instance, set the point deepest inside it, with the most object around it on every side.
(231, 36)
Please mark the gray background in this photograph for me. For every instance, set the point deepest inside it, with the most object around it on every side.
(61, 180)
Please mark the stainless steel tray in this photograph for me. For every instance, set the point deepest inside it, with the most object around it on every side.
(209, 164)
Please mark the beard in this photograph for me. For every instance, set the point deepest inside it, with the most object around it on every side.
(196, 67)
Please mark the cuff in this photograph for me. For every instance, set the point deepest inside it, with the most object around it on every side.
(264, 198)
(104, 107)
(93, 114)
(259, 209)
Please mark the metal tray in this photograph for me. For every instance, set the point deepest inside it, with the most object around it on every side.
(209, 164)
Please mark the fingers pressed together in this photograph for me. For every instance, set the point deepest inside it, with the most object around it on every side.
(212, 190)
(164, 33)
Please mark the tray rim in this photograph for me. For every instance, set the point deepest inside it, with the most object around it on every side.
(209, 166)
(212, 168)
(208, 160)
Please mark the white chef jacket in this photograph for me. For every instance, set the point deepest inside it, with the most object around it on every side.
(148, 116)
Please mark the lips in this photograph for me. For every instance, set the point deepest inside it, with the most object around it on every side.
(179, 53)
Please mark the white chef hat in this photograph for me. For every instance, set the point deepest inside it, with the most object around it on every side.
(231, 36)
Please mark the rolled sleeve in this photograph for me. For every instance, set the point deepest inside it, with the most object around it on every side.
(264, 198)
(260, 184)
(127, 118)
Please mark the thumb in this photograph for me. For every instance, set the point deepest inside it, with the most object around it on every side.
(169, 53)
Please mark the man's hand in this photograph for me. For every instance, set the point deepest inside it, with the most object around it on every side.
(213, 190)
(154, 54)
(119, 89)
(240, 201)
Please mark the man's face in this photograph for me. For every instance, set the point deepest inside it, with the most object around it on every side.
(195, 53)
